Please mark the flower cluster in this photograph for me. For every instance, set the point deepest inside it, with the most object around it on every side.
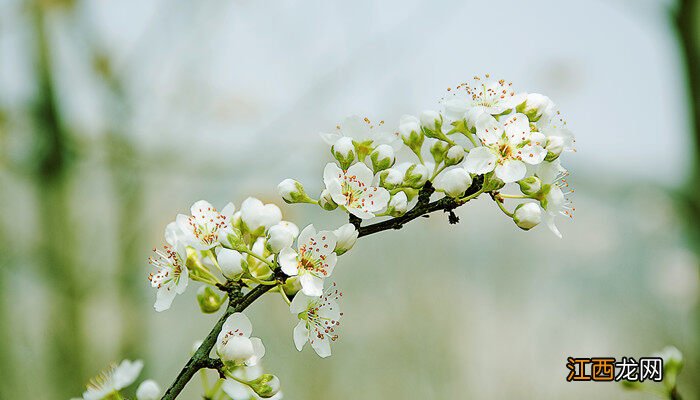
(488, 138)
(509, 140)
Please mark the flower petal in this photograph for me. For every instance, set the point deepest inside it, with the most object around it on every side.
(311, 285)
(480, 160)
(238, 321)
(287, 259)
(301, 335)
(511, 171)
(322, 346)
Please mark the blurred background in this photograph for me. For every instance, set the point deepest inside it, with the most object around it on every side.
(117, 115)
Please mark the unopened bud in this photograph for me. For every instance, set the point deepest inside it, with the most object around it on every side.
(266, 386)
(530, 186)
(382, 157)
(148, 390)
(391, 178)
(398, 205)
(453, 182)
(281, 235)
(431, 120)
(416, 175)
(231, 263)
(208, 299)
(534, 106)
(293, 192)
(411, 133)
(438, 151)
(346, 237)
(326, 202)
(454, 155)
(344, 151)
(527, 216)
(554, 147)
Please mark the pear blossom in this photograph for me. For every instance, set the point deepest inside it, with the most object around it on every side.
(292, 192)
(454, 155)
(414, 175)
(148, 390)
(257, 216)
(558, 137)
(206, 226)
(481, 96)
(234, 344)
(391, 178)
(230, 262)
(353, 190)
(429, 119)
(113, 379)
(554, 200)
(346, 236)
(313, 261)
(382, 157)
(171, 276)
(507, 146)
(318, 318)
(453, 181)
(360, 130)
(281, 235)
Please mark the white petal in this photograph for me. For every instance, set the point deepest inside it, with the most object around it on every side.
(480, 160)
(228, 210)
(184, 280)
(301, 335)
(325, 242)
(362, 172)
(230, 262)
(549, 220)
(240, 322)
(330, 310)
(532, 155)
(164, 298)
(322, 346)
(311, 285)
(332, 172)
(335, 189)
(378, 201)
(288, 261)
(511, 171)
(258, 351)
(301, 303)
(306, 237)
(331, 260)
(126, 373)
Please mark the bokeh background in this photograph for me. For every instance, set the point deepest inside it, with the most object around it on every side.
(117, 115)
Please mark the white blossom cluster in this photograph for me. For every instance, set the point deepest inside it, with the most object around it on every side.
(487, 139)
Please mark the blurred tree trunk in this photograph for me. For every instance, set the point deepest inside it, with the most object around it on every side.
(57, 229)
(687, 23)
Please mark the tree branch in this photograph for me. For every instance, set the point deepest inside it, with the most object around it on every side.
(238, 303)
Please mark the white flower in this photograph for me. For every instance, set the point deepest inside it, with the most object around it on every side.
(313, 261)
(507, 146)
(346, 236)
(148, 390)
(558, 138)
(382, 157)
(230, 261)
(454, 155)
(318, 318)
(555, 201)
(487, 96)
(453, 181)
(256, 215)
(527, 215)
(171, 277)
(398, 205)
(206, 227)
(281, 235)
(353, 189)
(360, 130)
(391, 177)
(292, 191)
(234, 344)
(112, 380)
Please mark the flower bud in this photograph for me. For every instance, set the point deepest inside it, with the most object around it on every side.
(208, 299)
(411, 133)
(438, 150)
(453, 182)
(530, 186)
(431, 120)
(534, 106)
(673, 363)
(391, 178)
(148, 390)
(416, 175)
(454, 155)
(554, 147)
(231, 263)
(527, 215)
(266, 386)
(326, 202)
(344, 151)
(281, 235)
(291, 286)
(293, 192)
(346, 236)
(398, 205)
(382, 157)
